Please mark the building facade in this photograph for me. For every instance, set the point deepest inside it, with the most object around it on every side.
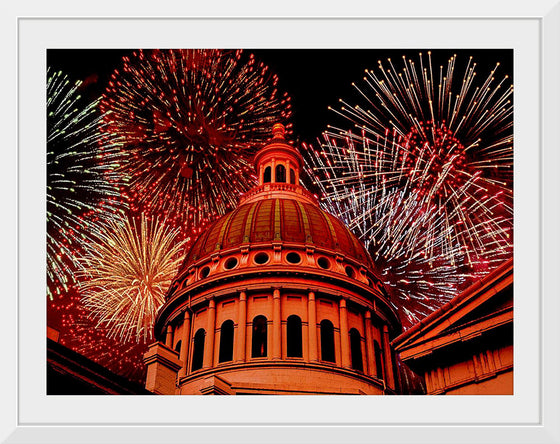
(466, 347)
(276, 297)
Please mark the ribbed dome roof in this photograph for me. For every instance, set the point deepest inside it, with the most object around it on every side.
(287, 220)
(278, 209)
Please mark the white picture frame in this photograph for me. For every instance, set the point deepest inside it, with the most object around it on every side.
(531, 415)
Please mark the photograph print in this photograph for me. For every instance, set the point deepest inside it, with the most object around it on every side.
(279, 221)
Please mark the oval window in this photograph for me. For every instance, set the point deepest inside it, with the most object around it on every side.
(261, 258)
(350, 271)
(204, 272)
(293, 258)
(230, 263)
(323, 262)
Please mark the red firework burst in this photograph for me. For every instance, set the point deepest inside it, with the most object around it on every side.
(188, 123)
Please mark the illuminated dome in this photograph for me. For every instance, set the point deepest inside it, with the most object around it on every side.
(276, 219)
(275, 297)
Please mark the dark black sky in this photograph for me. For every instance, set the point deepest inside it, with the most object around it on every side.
(313, 78)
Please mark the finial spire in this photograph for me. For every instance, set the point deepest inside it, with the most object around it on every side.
(278, 131)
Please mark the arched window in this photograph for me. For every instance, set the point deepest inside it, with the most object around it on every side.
(178, 347)
(266, 176)
(280, 173)
(378, 359)
(198, 349)
(327, 341)
(259, 337)
(356, 350)
(226, 341)
(294, 337)
(292, 176)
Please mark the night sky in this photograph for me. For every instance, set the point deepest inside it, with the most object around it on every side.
(313, 78)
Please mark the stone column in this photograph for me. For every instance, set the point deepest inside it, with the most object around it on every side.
(370, 353)
(344, 335)
(210, 334)
(273, 171)
(169, 337)
(242, 327)
(388, 364)
(276, 325)
(185, 341)
(312, 326)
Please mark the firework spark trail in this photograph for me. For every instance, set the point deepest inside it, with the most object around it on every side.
(423, 176)
(77, 183)
(127, 267)
(413, 242)
(78, 332)
(190, 122)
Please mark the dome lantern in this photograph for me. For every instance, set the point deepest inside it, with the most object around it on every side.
(278, 166)
(278, 161)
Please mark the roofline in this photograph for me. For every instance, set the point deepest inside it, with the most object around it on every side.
(472, 289)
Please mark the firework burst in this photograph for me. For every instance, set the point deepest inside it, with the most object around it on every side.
(190, 122)
(77, 183)
(423, 175)
(128, 266)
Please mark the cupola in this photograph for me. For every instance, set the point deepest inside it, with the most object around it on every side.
(278, 165)
(278, 162)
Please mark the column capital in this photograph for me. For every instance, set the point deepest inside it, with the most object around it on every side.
(368, 314)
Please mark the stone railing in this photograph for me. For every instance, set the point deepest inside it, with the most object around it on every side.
(288, 188)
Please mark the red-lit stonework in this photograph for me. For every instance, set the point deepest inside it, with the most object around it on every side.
(466, 347)
(276, 297)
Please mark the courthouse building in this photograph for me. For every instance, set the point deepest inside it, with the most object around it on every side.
(276, 297)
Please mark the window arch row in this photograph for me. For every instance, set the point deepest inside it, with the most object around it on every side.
(282, 173)
(293, 341)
